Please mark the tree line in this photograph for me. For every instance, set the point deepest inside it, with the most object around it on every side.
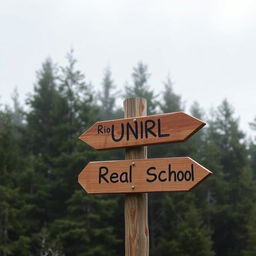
(43, 210)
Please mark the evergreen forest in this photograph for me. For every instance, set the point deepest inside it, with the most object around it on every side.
(45, 212)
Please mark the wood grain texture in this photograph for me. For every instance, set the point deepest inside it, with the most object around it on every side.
(135, 175)
(139, 131)
(136, 205)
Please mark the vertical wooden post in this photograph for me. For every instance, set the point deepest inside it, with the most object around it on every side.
(136, 205)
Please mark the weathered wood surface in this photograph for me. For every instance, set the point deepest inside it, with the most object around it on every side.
(142, 175)
(136, 205)
(146, 130)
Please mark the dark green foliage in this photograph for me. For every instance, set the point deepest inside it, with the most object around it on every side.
(251, 224)
(86, 224)
(140, 87)
(231, 184)
(107, 97)
(171, 102)
(43, 211)
(184, 233)
(13, 232)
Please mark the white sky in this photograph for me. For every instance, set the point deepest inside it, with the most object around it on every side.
(208, 47)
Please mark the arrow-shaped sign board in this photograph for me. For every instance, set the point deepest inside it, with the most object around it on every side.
(142, 175)
(148, 130)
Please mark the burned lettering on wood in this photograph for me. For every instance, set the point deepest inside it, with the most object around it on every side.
(136, 131)
(128, 132)
(142, 175)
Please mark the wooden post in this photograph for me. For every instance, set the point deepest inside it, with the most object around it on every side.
(136, 205)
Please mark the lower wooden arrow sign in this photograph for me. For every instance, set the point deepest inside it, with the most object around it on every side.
(142, 175)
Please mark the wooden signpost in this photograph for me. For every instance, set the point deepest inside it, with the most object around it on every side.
(136, 205)
(147, 130)
(138, 175)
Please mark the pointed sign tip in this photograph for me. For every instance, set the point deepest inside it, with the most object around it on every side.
(83, 137)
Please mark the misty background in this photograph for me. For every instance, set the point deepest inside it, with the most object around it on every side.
(207, 47)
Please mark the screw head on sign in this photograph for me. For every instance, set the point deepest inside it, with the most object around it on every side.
(133, 187)
(133, 163)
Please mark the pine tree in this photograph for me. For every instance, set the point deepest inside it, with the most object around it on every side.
(171, 101)
(107, 97)
(226, 155)
(41, 146)
(42, 116)
(79, 113)
(79, 96)
(140, 87)
(77, 233)
(13, 237)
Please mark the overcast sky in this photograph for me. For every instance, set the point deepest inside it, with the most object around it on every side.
(207, 47)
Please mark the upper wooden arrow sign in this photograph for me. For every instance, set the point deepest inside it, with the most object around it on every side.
(142, 175)
(148, 130)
